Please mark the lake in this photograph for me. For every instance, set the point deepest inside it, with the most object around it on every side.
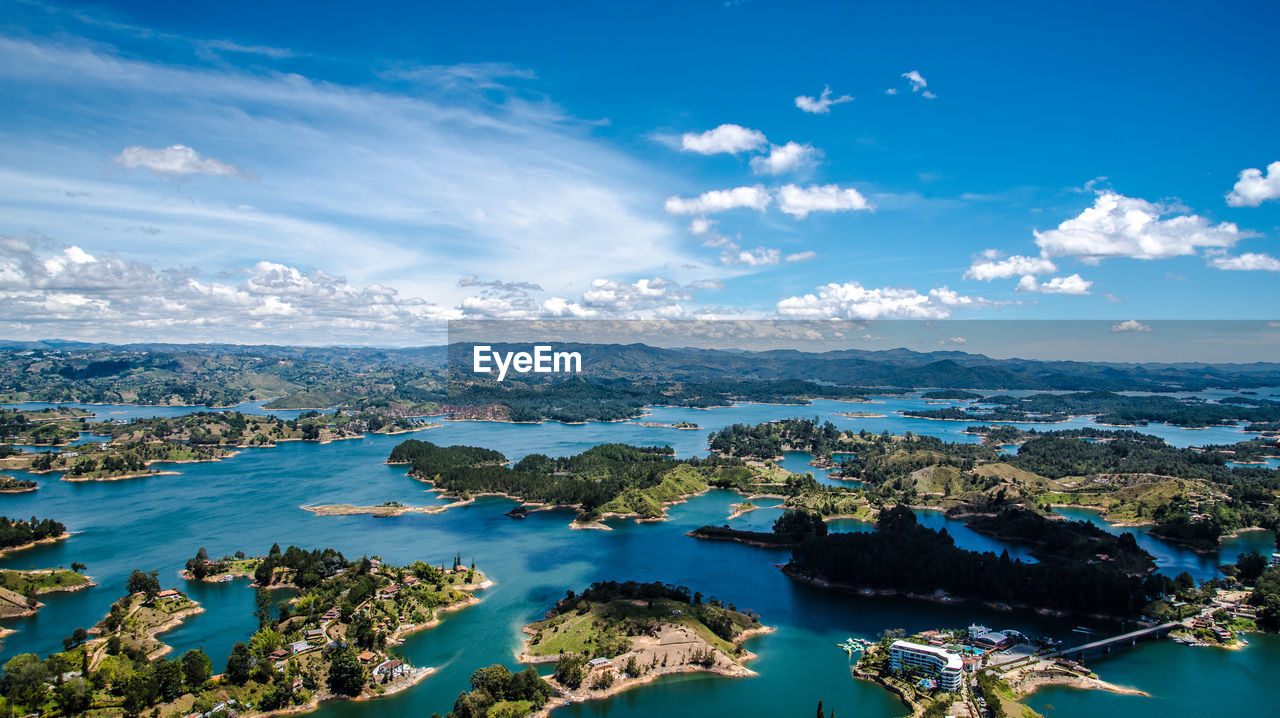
(252, 500)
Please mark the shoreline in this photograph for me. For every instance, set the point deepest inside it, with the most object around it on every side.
(32, 544)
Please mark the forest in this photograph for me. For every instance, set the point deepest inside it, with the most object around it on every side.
(904, 556)
(607, 477)
(19, 532)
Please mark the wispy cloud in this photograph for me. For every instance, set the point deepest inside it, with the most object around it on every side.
(820, 105)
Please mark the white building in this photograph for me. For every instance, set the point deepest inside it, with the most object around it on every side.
(941, 665)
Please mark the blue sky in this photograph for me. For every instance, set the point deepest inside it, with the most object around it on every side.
(314, 173)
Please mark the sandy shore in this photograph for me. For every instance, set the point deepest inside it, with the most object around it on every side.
(121, 477)
(376, 511)
(32, 544)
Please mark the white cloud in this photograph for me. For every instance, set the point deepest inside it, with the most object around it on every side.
(1130, 325)
(69, 292)
(700, 226)
(1119, 226)
(800, 201)
(953, 341)
(928, 95)
(822, 104)
(414, 207)
(1247, 262)
(1072, 284)
(175, 161)
(1253, 188)
(917, 80)
(758, 257)
(727, 138)
(785, 158)
(801, 256)
(756, 197)
(891, 91)
(851, 300)
(990, 266)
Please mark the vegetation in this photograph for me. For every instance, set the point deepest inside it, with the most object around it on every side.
(609, 478)
(498, 693)
(332, 640)
(1111, 408)
(902, 555)
(20, 532)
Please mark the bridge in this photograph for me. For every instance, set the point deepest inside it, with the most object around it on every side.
(1131, 638)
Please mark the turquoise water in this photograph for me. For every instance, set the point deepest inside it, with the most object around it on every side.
(252, 500)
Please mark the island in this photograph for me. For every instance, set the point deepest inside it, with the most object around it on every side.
(616, 635)
(20, 588)
(334, 639)
(608, 480)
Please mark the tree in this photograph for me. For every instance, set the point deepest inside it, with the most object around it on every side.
(492, 680)
(24, 680)
(75, 695)
(240, 664)
(569, 669)
(196, 668)
(346, 675)
(168, 678)
(147, 584)
(78, 567)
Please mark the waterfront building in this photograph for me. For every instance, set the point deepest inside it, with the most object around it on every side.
(939, 664)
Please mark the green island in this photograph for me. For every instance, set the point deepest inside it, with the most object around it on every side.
(335, 639)
(20, 588)
(606, 480)
(1110, 408)
(1190, 496)
(42, 427)
(612, 637)
(133, 447)
(14, 485)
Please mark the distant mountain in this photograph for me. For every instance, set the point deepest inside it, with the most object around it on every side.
(896, 368)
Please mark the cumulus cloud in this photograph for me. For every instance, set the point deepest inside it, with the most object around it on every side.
(851, 300)
(72, 292)
(1130, 325)
(802, 256)
(727, 138)
(1119, 226)
(800, 201)
(1072, 284)
(1247, 262)
(785, 158)
(822, 104)
(990, 266)
(176, 161)
(756, 197)
(953, 341)
(1253, 188)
